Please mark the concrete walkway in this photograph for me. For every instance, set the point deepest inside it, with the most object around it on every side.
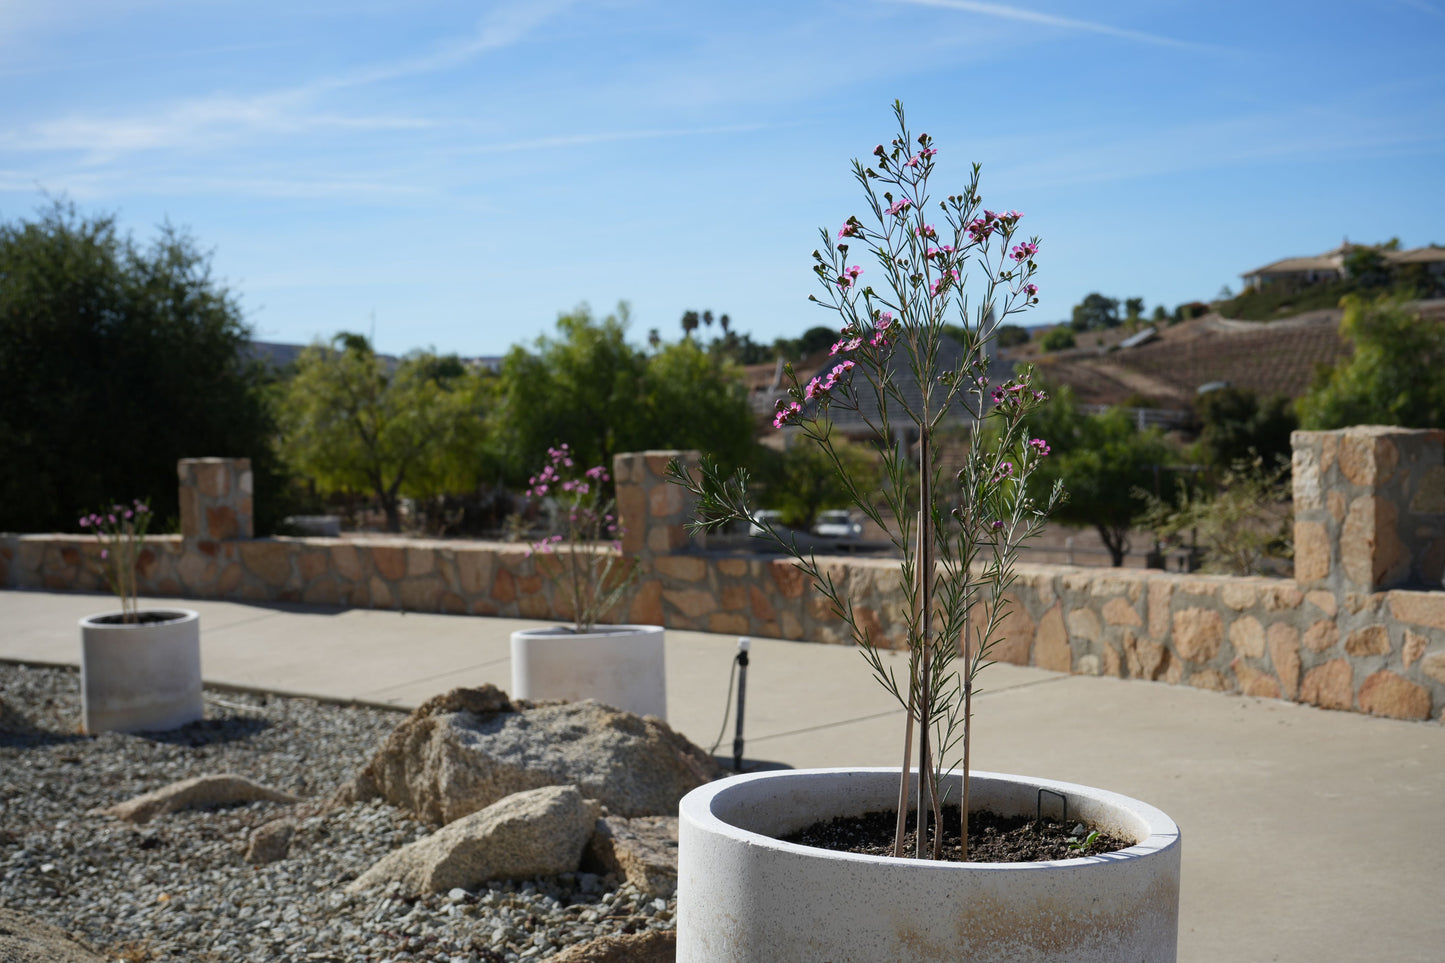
(1308, 835)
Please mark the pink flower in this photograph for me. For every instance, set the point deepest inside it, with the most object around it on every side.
(849, 230)
(925, 231)
(941, 284)
(927, 152)
(899, 206)
(1024, 251)
(1040, 447)
(1004, 471)
(84, 522)
(105, 553)
(911, 162)
(850, 275)
(1031, 289)
(998, 524)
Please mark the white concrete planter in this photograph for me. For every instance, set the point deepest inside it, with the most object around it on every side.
(745, 896)
(141, 677)
(621, 665)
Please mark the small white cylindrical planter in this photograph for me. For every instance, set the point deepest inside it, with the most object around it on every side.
(143, 676)
(623, 666)
(745, 896)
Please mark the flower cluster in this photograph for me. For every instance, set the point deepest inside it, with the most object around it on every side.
(981, 227)
(1024, 251)
(899, 206)
(587, 522)
(850, 229)
(849, 276)
(120, 531)
(1015, 394)
(941, 283)
(816, 389)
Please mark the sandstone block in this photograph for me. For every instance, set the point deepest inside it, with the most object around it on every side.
(538, 832)
(693, 603)
(270, 842)
(1142, 658)
(1247, 637)
(1198, 634)
(1419, 608)
(24, 939)
(1330, 686)
(647, 946)
(1371, 640)
(1386, 694)
(1118, 611)
(1253, 682)
(1433, 665)
(1321, 635)
(390, 561)
(460, 752)
(1311, 552)
(789, 580)
(1238, 595)
(1051, 642)
(762, 608)
(1160, 592)
(1412, 648)
(1322, 600)
(1208, 679)
(687, 568)
(269, 561)
(202, 792)
(1283, 641)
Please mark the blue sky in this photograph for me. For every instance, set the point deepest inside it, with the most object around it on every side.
(465, 172)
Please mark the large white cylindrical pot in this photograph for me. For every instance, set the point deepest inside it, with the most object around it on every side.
(143, 676)
(743, 895)
(621, 665)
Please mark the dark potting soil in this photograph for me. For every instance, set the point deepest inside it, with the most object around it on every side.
(991, 838)
(143, 618)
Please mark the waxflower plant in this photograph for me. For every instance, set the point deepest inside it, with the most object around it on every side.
(958, 537)
(120, 531)
(589, 569)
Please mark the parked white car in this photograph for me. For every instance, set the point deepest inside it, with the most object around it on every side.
(766, 515)
(837, 523)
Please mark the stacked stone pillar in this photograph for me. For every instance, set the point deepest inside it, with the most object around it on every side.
(215, 498)
(654, 512)
(1369, 508)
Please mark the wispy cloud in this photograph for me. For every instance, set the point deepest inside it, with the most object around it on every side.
(1005, 12)
(604, 137)
(223, 120)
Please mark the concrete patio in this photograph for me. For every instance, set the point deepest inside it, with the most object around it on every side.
(1308, 834)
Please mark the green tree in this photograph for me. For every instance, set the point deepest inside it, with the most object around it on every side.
(1095, 312)
(589, 388)
(1057, 339)
(1133, 310)
(1393, 376)
(1011, 335)
(802, 481)
(1238, 425)
(1102, 461)
(115, 361)
(353, 427)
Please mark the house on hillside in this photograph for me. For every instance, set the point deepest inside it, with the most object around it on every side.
(1331, 265)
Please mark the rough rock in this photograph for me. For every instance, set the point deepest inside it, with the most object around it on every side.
(642, 850)
(270, 842)
(650, 946)
(537, 833)
(13, 721)
(460, 752)
(24, 939)
(203, 792)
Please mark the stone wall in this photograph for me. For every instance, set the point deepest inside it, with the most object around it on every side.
(1359, 630)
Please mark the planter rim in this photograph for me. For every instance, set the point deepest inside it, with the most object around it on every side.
(697, 807)
(567, 632)
(181, 616)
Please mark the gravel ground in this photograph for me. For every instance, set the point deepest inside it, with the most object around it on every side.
(177, 888)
